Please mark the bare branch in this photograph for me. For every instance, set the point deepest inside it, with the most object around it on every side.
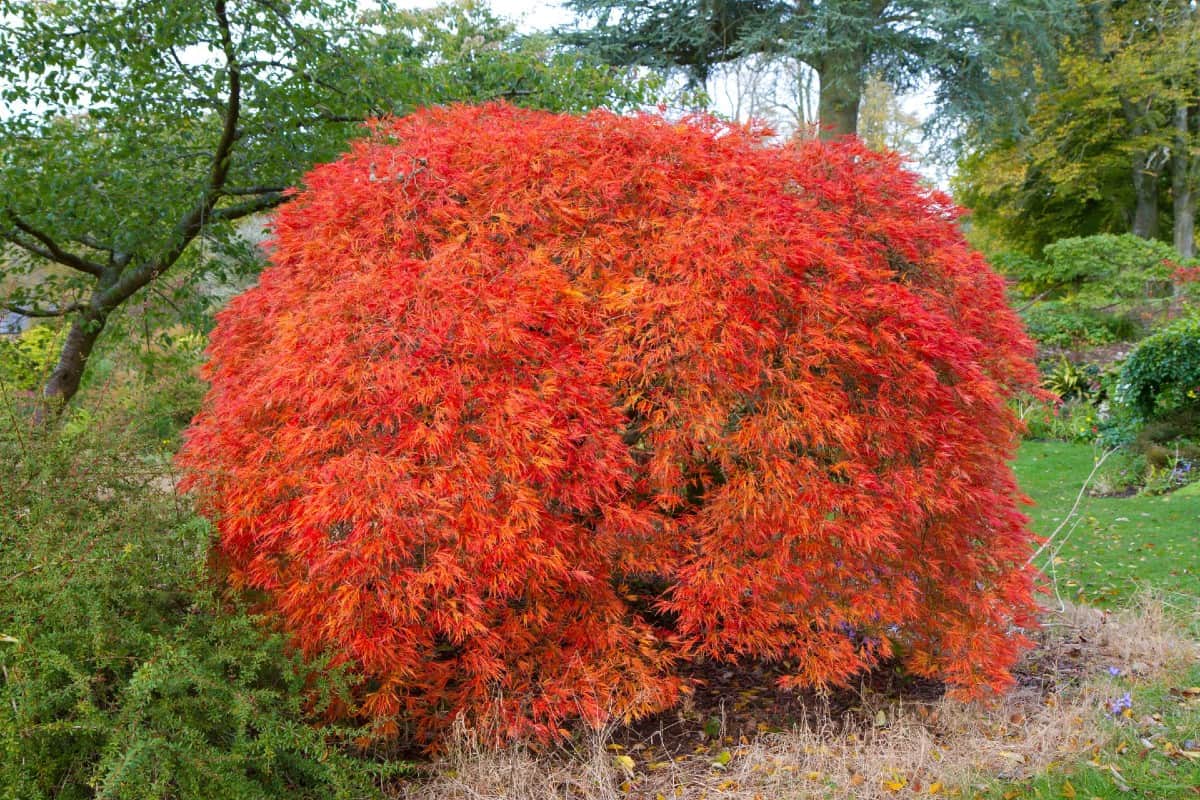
(230, 213)
(50, 249)
(239, 191)
(41, 313)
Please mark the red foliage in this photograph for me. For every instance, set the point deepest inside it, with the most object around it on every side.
(1181, 274)
(529, 407)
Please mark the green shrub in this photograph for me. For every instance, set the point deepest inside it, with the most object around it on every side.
(1095, 270)
(123, 673)
(170, 389)
(1118, 426)
(1018, 266)
(1123, 472)
(1163, 373)
(26, 360)
(1071, 381)
(1073, 421)
(1174, 429)
(1169, 469)
(1092, 290)
(1148, 468)
(1062, 324)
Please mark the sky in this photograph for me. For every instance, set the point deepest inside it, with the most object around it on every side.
(532, 15)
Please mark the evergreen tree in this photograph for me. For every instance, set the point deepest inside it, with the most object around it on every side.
(957, 45)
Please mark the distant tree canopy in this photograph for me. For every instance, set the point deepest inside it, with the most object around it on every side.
(884, 123)
(964, 48)
(134, 129)
(1113, 142)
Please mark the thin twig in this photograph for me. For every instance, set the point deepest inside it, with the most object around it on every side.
(1070, 514)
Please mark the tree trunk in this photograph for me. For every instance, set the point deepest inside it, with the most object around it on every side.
(1145, 191)
(842, 83)
(1147, 169)
(1185, 221)
(1182, 187)
(64, 381)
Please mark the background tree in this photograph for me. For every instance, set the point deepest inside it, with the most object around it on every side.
(956, 46)
(1142, 57)
(1052, 181)
(1108, 140)
(133, 129)
(884, 123)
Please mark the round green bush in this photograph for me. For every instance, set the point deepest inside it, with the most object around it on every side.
(1163, 373)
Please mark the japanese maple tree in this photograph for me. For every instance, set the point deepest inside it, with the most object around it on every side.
(530, 408)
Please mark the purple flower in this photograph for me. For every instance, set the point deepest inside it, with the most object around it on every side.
(1114, 671)
(1119, 707)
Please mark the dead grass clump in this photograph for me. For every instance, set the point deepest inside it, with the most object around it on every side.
(943, 748)
(1153, 636)
(877, 745)
(472, 770)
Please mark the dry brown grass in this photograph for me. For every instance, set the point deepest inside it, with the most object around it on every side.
(1157, 633)
(887, 748)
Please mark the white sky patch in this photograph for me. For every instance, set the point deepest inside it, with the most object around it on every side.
(530, 15)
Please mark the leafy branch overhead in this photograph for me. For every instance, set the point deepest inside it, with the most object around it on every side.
(137, 128)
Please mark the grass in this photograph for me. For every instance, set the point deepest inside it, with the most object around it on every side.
(1150, 751)
(1113, 546)
(1105, 551)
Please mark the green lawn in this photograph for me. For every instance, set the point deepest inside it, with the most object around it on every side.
(1118, 544)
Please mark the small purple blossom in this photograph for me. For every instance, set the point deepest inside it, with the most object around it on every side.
(1114, 671)
(1120, 706)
